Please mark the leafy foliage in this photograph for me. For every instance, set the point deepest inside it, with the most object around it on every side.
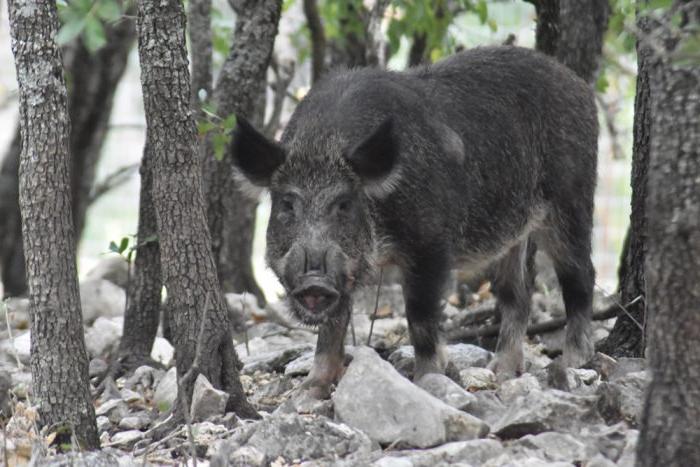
(219, 129)
(87, 19)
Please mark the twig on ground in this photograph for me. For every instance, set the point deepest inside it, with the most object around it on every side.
(469, 335)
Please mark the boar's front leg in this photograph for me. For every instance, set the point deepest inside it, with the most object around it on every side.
(423, 285)
(329, 361)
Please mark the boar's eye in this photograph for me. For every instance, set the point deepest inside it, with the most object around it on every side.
(342, 206)
(288, 204)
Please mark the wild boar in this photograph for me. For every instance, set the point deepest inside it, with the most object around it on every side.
(471, 162)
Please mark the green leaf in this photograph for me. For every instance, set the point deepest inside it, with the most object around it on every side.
(602, 83)
(204, 127)
(220, 141)
(482, 11)
(70, 31)
(230, 122)
(108, 10)
(123, 245)
(94, 34)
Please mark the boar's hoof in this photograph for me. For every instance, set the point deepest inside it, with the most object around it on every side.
(507, 366)
(436, 364)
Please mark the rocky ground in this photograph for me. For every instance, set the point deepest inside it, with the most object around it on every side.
(376, 416)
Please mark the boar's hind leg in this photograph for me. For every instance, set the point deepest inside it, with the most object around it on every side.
(329, 361)
(423, 286)
(513, 281)
(570, 250)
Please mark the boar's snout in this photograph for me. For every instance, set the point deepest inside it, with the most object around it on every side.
(316, 280)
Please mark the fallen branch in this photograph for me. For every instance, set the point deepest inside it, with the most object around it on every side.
(474, 335)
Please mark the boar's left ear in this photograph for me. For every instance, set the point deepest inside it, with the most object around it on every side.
(254, 155)
(374, 158)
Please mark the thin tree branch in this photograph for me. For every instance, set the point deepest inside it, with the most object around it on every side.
(318, 39)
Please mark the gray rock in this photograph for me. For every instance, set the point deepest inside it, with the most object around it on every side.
(135, 421)
(603, 364)
(629, 453)
(460, 357)
(551, 410)
(97, 367)
(102, 337)
(510, 389)
(475, 452)
(126, 439)
(207, 401)
(373, 397)
(463, 356)
(162, 351)
(112, 268)
(600, 461)
(623, 398)
(144, 377)
(81, 459)
(300, 366)
(18, 347)
(274, 360)
(5, 386)
(293, 436)
(304, 403)
(610, 441)
(446, 390)
(114, 410)
(477, 379)
(555, 446)
(166, 391)
(627, 365)
(103, 423)
(100, 297)
(488, 407)
(247, 456)
(580, 378)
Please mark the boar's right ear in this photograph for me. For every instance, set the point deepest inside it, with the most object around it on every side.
(254, 155)
(374, 159)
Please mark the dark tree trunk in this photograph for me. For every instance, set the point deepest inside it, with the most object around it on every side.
(671, 421)
(188, 268)
(417, 53)
(231, 215)
(14, 278)
(93, 82)
(59, 361)
(627, 336)
(95, 78)
(572, 31)
(144, 290)
(199, 22)
(318, 39)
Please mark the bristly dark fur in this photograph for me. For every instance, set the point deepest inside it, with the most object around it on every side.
(486, 154)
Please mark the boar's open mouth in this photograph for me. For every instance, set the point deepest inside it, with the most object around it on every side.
(314, 298)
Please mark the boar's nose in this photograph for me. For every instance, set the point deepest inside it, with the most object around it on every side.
(315, 260)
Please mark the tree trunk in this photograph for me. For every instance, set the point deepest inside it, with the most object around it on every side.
(95, 78)
(59, 361)
(14, 278)
(199, 16)
(572, 31)
(144, 290)
(671, 421)
(231, 215)
(627, 336)
(189, 271)
(318, 39)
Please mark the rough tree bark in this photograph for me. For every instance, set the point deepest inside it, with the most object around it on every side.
(14, 279)
(59, 361)
(671, 420)
(95, 77)
(572, 31)
(144, 291)
(318, 39)
(188, 268)
(627, 337)
(242, 79)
